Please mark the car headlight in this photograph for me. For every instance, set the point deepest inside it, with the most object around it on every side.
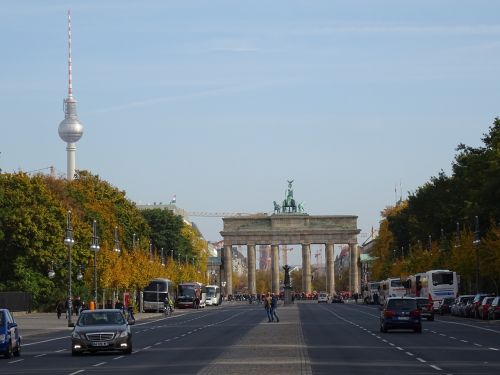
(123, 334)
(76, 335)
(2, 338)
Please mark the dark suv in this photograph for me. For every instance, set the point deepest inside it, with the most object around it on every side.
(400, 313)
(10, 340)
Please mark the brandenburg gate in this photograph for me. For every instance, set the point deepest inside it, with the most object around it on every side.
(290, 225)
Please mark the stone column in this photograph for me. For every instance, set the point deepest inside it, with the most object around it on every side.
(228, 269)
(275, 269)
(306, 268)
(330, 269)
(354, 268)
(251, 269)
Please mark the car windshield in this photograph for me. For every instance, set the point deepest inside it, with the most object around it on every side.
(186, 290)
(488, 300)
(402, 304)
(448, 301)
(101, 318)
(422, 302)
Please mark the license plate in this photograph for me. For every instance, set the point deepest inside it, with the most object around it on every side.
(403, 318)
(98, 343)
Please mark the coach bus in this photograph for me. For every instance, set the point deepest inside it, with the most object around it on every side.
(155, 293)
(191, 295)
(391, 287)
(434, 285)
(213, 295)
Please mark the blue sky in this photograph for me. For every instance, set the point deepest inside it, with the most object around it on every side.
(220, 102)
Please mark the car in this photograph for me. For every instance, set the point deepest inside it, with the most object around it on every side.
(494, 310)
(337, 299)
(458, 308)
(425, 307)
(445, 305)
(10, 339)
(400, 313)
(472, 310)
(322, 297)
(101, 330)
(482, 310)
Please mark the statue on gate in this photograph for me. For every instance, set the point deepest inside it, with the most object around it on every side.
(287, 275)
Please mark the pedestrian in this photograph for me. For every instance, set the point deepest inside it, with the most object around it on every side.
(59, 309)
(356, 298)
(67, 304)
(267, 306)
(118, 305)
(83, 307)
(274, 307)
(77, 304)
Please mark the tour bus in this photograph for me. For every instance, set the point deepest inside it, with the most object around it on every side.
(191, 295)
(155, 293)
(372, 293)
(213, 295)
(391, 287)
(434, 285)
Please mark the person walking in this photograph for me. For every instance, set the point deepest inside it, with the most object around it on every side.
(267, 306)
(59, 309)
(274, 306)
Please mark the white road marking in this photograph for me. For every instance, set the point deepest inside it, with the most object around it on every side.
(436, 368)
(44, 341)
(421, 360)
(409, 353)
(99, 364)
(119, 357)
(40, 355)
(59, 351)
(493, 349)
(464, 340)
(158, 343)
(478, 344)
(399, 348)
(467, 325)
(391, 344)
(454, 338)
(146, 348)
(76, 372)
(17, 360)
(442, 334)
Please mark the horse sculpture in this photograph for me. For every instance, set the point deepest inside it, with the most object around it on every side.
(277, 208)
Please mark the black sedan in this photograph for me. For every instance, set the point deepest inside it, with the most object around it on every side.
(98, 330)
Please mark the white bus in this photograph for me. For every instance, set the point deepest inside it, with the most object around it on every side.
(213, 295)
(372, 293)
(434, 285)
(391, 287)
(155, 293)
(191, 295)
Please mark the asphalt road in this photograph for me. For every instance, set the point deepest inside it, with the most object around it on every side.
(310, 338)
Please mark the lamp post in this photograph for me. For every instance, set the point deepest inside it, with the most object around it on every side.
(476, 242)
(69, 241)
(94, 246)
(117, 242)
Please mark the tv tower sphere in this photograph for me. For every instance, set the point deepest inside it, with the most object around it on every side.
(70, 129)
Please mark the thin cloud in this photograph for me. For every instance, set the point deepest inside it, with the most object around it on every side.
(400, 29)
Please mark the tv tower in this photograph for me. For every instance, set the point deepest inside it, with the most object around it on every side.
(70, 129)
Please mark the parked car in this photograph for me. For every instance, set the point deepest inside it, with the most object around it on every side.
(482, 310)
(322, 297)
(400, 313)
(473, 310)
(104, 329)
(494, 310)
(457, 309)
(445, 305)
(10, 339)
(426, 308)
(337, 299)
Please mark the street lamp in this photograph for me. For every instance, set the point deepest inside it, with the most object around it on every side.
(117, 242)
(94, 246)
(68, 241)
(79, 275)
(476, 242)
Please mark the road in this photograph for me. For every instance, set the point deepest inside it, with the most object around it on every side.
(310, 338)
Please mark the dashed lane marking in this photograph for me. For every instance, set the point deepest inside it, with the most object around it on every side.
(421, 360)
(41, 355)
(76, 372)
(17, 360)
(436, 368)
(147, 347)
(119, 357)
(494, 349)
(410, 354)
(399, 348)
(478, 344)
(59, 351)
(99, 364)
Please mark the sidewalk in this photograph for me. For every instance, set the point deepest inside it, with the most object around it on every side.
(38, 323)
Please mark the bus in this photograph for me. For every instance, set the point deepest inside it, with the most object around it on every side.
(372, 293)
(391, 287)
(434, 285)
(213, 295)
(155, 294)
(191, 295)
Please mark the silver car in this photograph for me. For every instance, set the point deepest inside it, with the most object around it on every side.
(98, 330)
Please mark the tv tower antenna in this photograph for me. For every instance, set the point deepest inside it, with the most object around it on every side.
(70, 129)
